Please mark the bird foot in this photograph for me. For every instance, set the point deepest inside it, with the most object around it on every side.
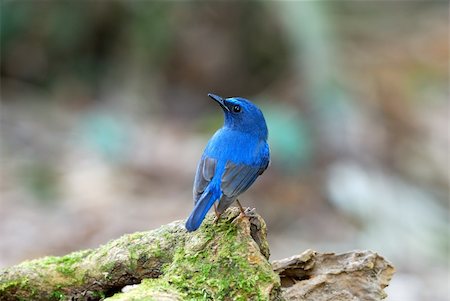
(216, 219)
(248, 212)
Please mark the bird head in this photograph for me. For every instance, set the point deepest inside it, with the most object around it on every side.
(242, 115)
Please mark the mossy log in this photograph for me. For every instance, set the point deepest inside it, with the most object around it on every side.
(227, 260)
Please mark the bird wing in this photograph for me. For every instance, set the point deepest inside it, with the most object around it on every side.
(237, 178)
(205, 172)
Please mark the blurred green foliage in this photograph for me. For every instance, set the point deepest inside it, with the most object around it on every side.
(44, 42)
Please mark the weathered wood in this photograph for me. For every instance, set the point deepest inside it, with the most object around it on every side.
(356, 275)
(223, 261)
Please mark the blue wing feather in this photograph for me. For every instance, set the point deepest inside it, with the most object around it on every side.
(204, 194)
(202, 207)
(237, 178)
(205, 172)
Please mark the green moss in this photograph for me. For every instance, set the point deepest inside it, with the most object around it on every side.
(224, 273)
(157, 251)
(148, 290)
(58, 295)
(107, 270)
(65, 265)
(136, 236)
(215, 265)
(134, 257)
(66, 270)
(217, 262)
(108, 267)
(139, 253)
(98, 295)
(17, 284)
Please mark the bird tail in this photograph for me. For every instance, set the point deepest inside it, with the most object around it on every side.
(201, 208)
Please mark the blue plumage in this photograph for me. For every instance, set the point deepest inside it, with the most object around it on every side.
(233, 158)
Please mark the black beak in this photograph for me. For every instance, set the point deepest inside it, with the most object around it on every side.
(219, 100)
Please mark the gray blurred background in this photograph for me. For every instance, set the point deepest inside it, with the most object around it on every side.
(104, 114)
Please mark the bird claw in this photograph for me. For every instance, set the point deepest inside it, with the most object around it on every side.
(216, 219)
(250, 211)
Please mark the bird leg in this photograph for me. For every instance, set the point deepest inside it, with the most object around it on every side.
(216, 219)
(241, 208)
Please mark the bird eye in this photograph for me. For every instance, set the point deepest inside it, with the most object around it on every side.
(236, 108)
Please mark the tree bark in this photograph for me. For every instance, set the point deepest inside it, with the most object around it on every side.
(227, 260)
(356, 275)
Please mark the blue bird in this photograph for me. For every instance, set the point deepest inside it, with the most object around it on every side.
(232, 160)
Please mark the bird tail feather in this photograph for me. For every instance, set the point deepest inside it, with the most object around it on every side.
(201, 208)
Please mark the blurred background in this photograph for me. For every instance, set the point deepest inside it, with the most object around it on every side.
(104, 114)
